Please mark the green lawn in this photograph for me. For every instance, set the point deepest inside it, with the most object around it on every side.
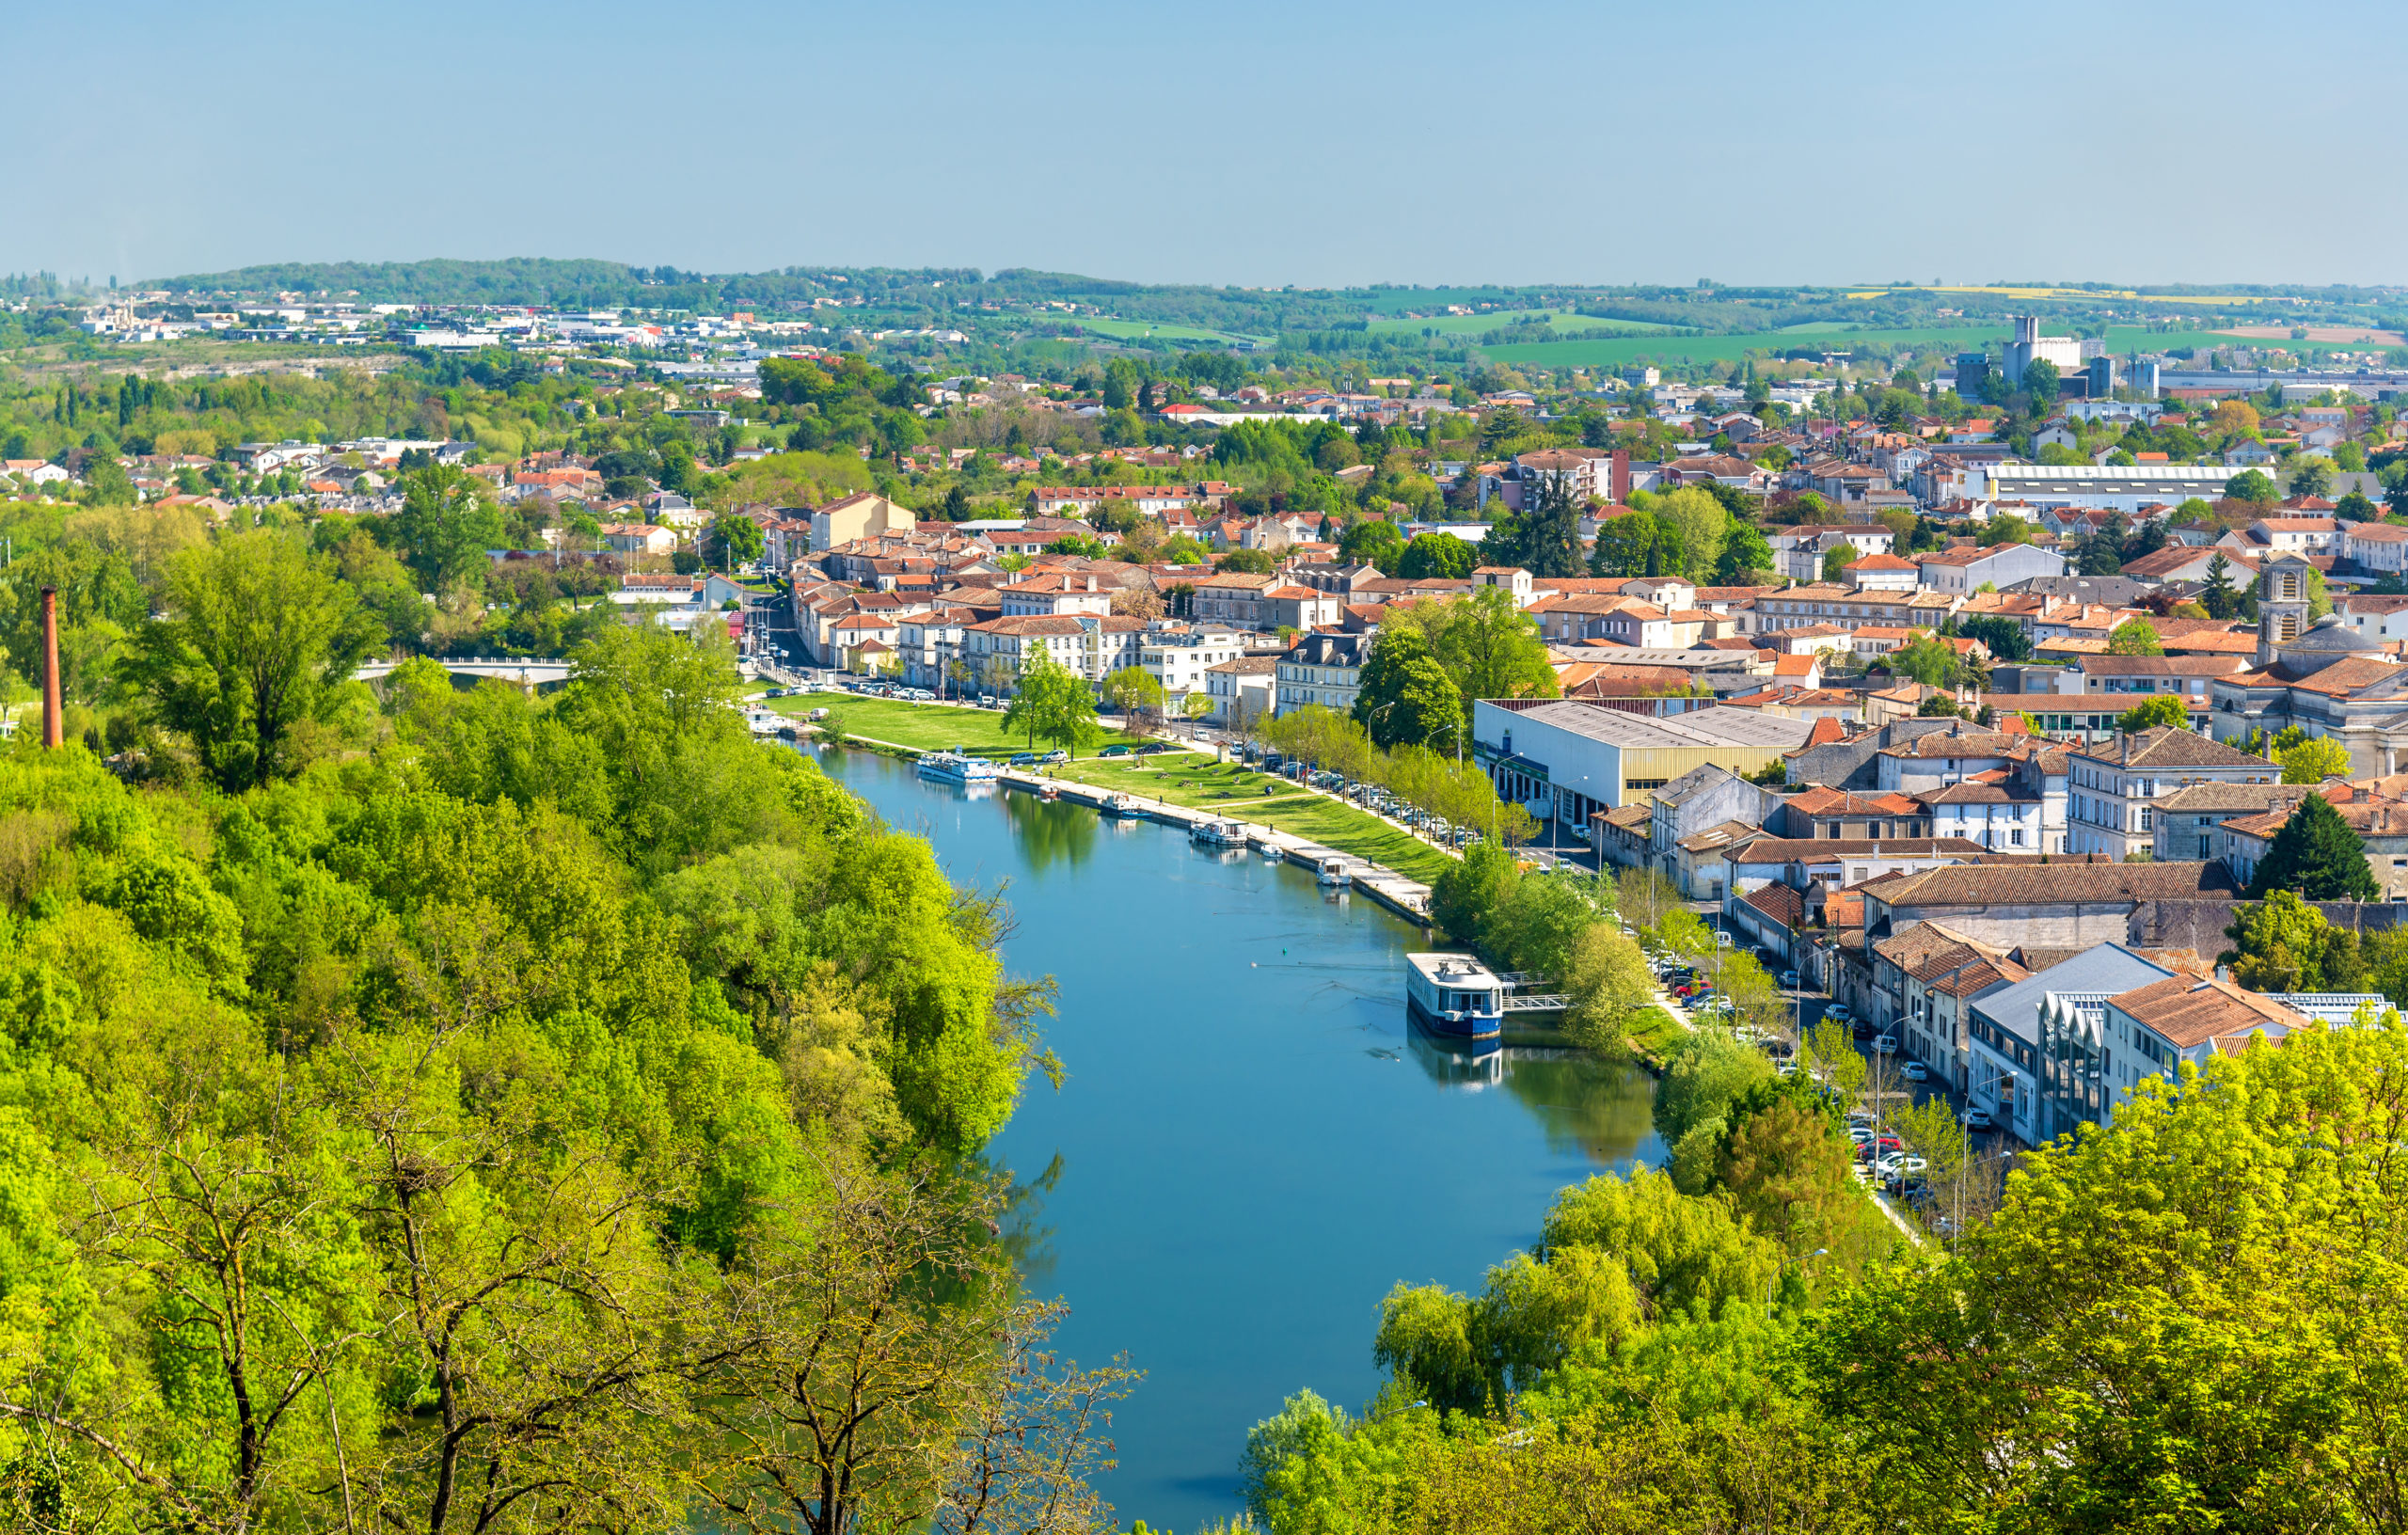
(922, 727)
(1651, 1032)
(1186, 779)
(1200, 783)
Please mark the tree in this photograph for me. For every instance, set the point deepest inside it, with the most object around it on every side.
(1134, 692)
(1545, 538)
(2252, 485)
(1694, 523)
(1624, 544)
(1745, 556)
(1405, 696)
(2315, 856)
(734, 540)
(2155, 710)
(1836, 560)
(2135, 636)
(2002, 637)
(2220, 598)
(258, 642)
(1436, 556)
(1052, 702)
(1490, 647)
(2042, 381)
(1606, 981)
(1246, 562)
(1929, 660)
(2311, 476)
(1371, 541)
(446, 524)
(2314, 760)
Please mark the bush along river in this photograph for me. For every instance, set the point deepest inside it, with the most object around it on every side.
(1250, 1147)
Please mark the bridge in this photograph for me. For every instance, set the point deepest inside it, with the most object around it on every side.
(526, 671)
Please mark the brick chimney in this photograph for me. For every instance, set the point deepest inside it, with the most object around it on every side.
(53, 716)
(1619, 477)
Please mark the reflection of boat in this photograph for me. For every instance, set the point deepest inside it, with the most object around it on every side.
(1455, 996)
(1333, 872)
(1217, 834)
(954, 767)
(1471, 1064)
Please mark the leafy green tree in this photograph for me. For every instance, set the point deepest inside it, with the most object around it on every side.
(1624, 545)
(2316, 855)
(733, 540)
(1373, 541)
(446, 524)
(2042, 381)
(2221, 599)
(2158, 709)
(1469, 891)
(2252, 485)
(2135, 636)
(1134, 692)
(1246, 561)
(2001, 636)
(1836, 560)
(2313, 759)
(1405, 696)
(1054, 703)
(254, 653)
(1694, 523)
(1436, 556)
(1927, 659)
(1745, 556)
(2311, 476)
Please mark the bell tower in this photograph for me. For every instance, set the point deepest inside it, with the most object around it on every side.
(2282, 605)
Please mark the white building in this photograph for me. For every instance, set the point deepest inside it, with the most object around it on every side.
(2110, 805)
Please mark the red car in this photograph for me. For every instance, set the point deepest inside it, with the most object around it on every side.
(1879, 1147)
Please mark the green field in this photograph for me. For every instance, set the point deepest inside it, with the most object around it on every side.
(1185, 778)
(1135, 330)
(1477, 324)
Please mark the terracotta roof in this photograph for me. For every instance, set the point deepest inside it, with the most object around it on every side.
(2191, 1012)
(1814, 849)
(2059, 883)
(2165, 746)
(1820, 801)
(1779, 902)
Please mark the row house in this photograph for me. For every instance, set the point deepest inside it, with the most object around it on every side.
(996, 651)
(1325, 670)
(1843, 607)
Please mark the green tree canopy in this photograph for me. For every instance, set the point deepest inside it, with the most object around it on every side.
(2135, 636)
(1405, 696)
(1373, 541)
(2316, 855)
(1436, 556)
(2252, 485)
(2151, 712)
(2313, 760)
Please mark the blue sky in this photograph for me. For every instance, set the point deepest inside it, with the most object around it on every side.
(1314, 142)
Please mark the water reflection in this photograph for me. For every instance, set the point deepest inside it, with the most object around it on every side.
(1602, 1111)
(1059, 832)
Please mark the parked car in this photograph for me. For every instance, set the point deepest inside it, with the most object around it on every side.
(1836, 1012)
(1979, 1120)
(1121, 751)
(1789, 980)
(1878, 1148)
(1151, 747)
(1023, 759)
(1057, 754)
(1915, 1071)
(1883, 1044)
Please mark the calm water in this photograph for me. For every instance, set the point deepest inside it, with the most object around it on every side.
(1250, 1147)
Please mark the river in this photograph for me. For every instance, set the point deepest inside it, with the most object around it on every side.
(1249, 1148)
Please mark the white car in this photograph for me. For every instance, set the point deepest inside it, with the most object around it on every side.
(1915, 1071)
(1835, 1012)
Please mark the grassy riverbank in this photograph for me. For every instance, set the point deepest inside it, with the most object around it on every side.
(1191, 780)
(1197, 783)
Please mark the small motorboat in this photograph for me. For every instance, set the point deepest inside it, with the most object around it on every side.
(1333, 872)
(1115, 806)
(1049, 791)
(1222, 834)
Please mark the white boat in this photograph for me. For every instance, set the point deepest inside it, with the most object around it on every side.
(1119, 806)
(1049, 791)
(1333, 872)
(1217, 833)
(1454, 995)
(955, 767)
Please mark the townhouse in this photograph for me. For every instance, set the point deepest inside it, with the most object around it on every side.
(2115, 785)
(1325, 670)
(996, 651)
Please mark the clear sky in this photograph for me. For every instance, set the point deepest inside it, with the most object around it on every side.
(1314, 142)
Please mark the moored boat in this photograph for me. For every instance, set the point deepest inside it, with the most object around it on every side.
(1333, 872)
(1217, 834)
(958, 767)
(1118, 805)
(1455, 996)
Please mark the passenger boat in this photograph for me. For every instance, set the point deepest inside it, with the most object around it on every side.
(1217, 834)
(957, 767)
(1453, 996)
(1115, 806)
(1333, 872)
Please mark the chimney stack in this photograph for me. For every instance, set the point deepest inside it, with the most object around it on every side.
(54, 719)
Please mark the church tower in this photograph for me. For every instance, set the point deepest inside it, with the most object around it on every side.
(2282, 605)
